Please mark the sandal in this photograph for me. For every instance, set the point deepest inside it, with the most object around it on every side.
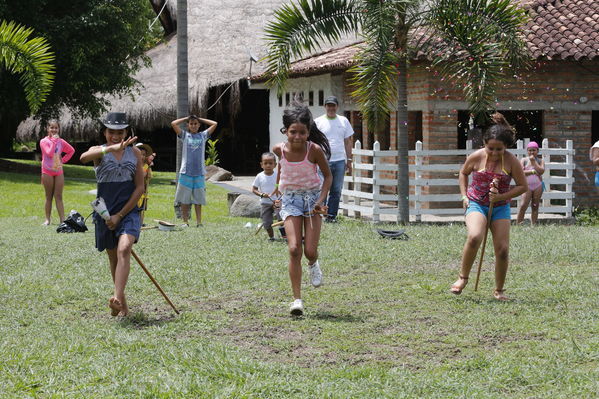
(499, 295)
(457, 289)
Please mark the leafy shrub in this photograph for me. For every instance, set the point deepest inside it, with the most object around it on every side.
(212, 153)
(587, 216)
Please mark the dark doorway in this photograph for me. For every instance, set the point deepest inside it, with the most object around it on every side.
(241, 147)
(527, 124)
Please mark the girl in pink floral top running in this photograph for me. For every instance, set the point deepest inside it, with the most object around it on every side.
(492, 162)
(302, 194)
(53, 148)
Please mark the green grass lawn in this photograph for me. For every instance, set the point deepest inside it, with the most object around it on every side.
(382, 326)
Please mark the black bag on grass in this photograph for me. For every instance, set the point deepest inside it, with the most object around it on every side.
(74, 223)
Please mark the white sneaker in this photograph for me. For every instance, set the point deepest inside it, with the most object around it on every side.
(315, 275)
(184, 225)
(297, 307)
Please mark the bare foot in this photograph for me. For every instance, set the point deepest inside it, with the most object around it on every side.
(500, 296)
(459, 285)
(125, 311)
(115, 306)
(46, 223)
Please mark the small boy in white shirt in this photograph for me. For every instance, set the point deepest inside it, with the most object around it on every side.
(264, 185)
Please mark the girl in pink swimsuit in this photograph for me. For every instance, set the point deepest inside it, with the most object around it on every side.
(534, 167)
(493, 162)
(53, 148)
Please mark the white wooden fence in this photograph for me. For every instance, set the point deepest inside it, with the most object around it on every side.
(373, 183)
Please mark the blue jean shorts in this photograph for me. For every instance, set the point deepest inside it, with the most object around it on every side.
(596, 179)
(299, 203)
(499, 212)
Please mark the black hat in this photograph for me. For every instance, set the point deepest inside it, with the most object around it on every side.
(331, 100)
(115, 120)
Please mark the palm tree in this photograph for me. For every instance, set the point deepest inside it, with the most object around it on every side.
(30, 58)
(182, 72)
(473, 42)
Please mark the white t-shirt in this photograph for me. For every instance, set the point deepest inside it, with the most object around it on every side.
(336, 130)
(596, 145)
(265, 184)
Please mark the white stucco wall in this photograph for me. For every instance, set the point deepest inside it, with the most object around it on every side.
(331, 85)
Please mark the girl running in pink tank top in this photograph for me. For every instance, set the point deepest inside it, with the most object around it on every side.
(302, 194)
(485, 165)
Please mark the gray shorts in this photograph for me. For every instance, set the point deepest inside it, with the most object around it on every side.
(191, 190)
(267, 212)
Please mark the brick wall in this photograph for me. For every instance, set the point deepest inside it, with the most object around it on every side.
(554, 87)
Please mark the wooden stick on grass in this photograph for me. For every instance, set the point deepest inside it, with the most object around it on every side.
(153, 280)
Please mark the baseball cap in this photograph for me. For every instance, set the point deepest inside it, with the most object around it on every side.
(331, 100)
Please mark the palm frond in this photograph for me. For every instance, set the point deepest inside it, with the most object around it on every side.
(375, 73)
(300, 28)
(476, 43)
(30, 58)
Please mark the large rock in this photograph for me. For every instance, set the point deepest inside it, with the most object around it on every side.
(246, 206)
(214, 173)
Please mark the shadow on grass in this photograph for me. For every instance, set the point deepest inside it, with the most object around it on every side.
(339, 318)
(141, 320)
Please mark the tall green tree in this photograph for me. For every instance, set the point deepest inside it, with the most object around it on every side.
(475, 43)
(98, 45)
(30, 59)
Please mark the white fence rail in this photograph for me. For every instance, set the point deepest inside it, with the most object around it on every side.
(371, 189)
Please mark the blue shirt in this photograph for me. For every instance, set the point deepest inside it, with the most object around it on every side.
(193, 153)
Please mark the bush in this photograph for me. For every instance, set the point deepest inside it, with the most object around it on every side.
(212, 153)
(586, 216)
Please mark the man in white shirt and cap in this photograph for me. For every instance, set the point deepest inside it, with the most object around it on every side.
(340, 133)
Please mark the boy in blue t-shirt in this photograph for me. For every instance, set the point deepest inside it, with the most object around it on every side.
(191, 187)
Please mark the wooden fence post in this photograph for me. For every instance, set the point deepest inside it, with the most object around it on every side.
(519, 146)
(547, 159)
(376, 188)
(417, 187)
(569, 175)
(357, 185)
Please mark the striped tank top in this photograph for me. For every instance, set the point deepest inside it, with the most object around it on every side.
(481, 184)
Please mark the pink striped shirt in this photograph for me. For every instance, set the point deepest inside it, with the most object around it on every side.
(302, 175)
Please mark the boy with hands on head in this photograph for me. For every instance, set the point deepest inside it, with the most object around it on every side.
(191, 186)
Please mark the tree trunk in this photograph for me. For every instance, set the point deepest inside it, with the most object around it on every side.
(403, 174)
(182, 71)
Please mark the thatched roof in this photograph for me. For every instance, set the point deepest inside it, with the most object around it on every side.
(221, 36)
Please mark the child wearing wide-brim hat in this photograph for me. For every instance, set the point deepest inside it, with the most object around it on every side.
(120, 179)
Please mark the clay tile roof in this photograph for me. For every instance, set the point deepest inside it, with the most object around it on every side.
(557, 29)
(563, 28)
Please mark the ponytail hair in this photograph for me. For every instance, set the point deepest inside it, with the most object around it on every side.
(300, 113)
(318, 137)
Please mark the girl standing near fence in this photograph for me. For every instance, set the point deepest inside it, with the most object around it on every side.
(493, 161)
(120, 176)
(53, 148)
(534, 167)
(302, 194)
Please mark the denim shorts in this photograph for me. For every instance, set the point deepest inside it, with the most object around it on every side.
(596, 179)
(299, 203)
(499, 212)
